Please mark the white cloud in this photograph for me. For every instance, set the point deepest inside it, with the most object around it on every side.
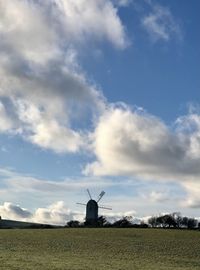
(25, 31)
(192, 189)
(11, 211)
(42, 129)
(27, 183)
(156, 196)
(35, 191)
(135, 143)
(35, 29)
(55, 214)
(190, 125)
(92, 18)
(123, 3)
(6, 122)
(40, 77)
(30, 184)
(160, 24)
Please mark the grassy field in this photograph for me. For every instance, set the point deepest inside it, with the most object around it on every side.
(99, 249)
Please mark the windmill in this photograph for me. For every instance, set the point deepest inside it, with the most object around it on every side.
(92, 208)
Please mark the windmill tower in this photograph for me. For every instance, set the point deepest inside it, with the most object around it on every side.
(92, 208)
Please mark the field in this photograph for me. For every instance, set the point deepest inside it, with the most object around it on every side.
(99, 249)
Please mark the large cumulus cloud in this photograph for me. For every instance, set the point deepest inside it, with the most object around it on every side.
(43, 89)
(133, 142)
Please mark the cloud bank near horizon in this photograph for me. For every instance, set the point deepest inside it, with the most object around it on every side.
(58, 214)
(55, 214)
(40, 191)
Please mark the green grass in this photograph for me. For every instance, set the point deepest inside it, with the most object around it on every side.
(99, 249)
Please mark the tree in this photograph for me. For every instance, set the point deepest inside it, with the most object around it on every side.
(192, 223)
(160, 221)
(166, 221)
(153, 221)
(73, 224)
(102, 221)
(189, 223)
(184, 222)
(169, 221)
(123, 222)
(177, 218)
(173, 220)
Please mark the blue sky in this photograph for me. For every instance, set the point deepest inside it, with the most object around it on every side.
(100, 95)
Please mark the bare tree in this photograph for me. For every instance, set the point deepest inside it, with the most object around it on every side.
(153, 221)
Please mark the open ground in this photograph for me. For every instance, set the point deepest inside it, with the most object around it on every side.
(105, 248)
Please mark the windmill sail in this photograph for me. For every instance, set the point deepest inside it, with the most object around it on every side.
(89, 194)
(101, 195)
(105, 207)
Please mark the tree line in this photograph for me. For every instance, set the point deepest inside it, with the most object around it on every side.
(174, 220)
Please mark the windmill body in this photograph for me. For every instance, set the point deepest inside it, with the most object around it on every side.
(92, 208)
(91, 211)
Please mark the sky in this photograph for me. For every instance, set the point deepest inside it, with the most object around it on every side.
(99, 94)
